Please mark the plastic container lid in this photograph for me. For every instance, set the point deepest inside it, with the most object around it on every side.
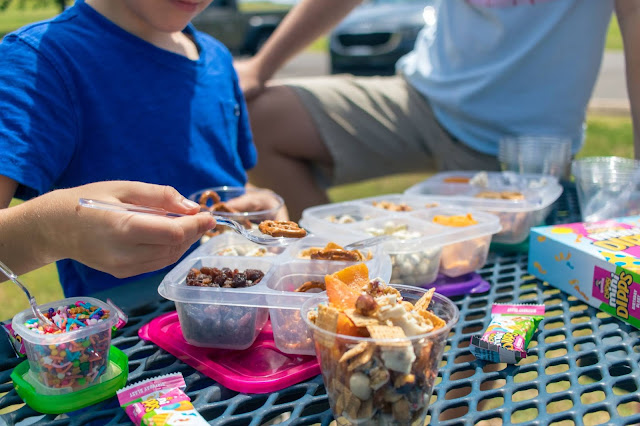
(64, 401)
(466, 284)
(539, 191)
(261, 368)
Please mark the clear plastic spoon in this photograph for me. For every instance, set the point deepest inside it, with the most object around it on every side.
(250, 234)
(32, 300)
(373, 241)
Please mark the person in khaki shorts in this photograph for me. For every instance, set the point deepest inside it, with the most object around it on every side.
(480, 70)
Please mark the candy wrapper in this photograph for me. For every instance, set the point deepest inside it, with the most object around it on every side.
(160, 401)
(508, 335)
(16, 341)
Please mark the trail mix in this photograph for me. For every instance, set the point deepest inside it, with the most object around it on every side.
(225, 277)
(387, 380)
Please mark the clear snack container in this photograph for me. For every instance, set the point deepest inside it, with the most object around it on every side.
(418, 244)
(71, 360)
(232, 318)
(531, 197)
(370, 387)
(207, 317)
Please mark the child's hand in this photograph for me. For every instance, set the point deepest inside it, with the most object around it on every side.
(259, 200)
(120, 243)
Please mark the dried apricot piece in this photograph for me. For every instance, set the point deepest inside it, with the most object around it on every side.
(354, 276)
(341, 296)
(348, 328)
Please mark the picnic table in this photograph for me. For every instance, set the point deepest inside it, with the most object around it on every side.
(582, 368)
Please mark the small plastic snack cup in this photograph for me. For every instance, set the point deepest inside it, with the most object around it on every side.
(228, 193)
(521, 201)
(74, 359)
(57, 401)
(361, 374)
(217, 317)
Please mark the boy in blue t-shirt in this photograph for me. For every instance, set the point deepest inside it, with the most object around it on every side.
(119, 90)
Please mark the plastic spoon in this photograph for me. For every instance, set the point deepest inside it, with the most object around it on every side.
(32, 300)
(251, 235)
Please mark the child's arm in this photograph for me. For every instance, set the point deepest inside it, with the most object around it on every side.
(53, 226)
(307, 21)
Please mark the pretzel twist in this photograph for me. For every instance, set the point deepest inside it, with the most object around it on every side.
(281, 228)
(209, 196)
(309, 285)
(337, 254)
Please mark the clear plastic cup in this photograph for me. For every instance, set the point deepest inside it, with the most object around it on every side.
(548, 155)
(372, 392)
(607, 187)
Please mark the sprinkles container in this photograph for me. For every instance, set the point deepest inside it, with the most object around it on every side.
(72, 359)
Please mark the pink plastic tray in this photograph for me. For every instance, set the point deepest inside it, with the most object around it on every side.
(259, 369)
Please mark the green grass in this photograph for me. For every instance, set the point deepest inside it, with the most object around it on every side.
(13, 18)
(605, 136)
(614, 38)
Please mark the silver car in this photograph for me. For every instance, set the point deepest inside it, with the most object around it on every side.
(375, 35)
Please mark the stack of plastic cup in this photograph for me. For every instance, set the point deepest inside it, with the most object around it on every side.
(607, 187)
(546, 155)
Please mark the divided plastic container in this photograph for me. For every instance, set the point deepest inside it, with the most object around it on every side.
(72, 360)
(517, 216)
(232, 318)
(421, 247)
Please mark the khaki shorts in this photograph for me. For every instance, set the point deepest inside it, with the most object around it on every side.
(376, 126)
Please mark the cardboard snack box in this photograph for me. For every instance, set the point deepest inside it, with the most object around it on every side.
(597, 262)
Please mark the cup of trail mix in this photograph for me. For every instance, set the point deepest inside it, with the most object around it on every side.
(379, 346)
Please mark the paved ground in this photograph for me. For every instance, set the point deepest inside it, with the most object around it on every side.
(609, 96)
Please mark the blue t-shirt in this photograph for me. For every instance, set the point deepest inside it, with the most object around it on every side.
(82, 100)
(495, 68)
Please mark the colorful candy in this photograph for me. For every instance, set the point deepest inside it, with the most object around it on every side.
(72, 362)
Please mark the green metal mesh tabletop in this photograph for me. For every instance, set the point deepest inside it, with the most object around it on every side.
(582, 367)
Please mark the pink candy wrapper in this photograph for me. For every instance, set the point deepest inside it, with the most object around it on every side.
(160, 401)
(16, 341)
(508, 335)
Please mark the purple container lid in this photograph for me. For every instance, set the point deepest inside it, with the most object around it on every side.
(465, 284)
(261, 368)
